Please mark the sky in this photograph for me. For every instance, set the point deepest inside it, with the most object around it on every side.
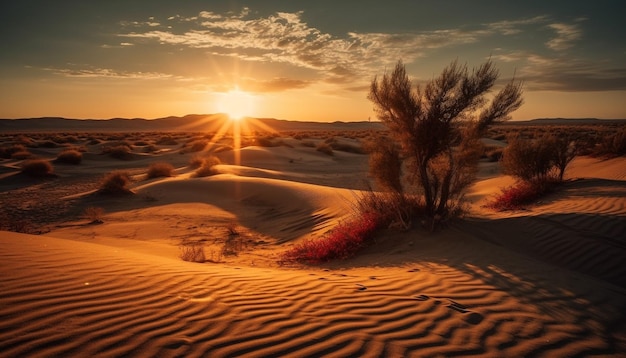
(299, 60)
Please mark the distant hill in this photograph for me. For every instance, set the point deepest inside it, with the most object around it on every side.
(188, 123)
(213, 122)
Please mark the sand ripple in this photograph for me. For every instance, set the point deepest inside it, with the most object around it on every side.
(67, 298)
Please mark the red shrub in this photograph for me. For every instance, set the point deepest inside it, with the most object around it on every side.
(341, 243)
(521, 194)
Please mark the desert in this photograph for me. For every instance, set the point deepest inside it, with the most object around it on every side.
(190, 262)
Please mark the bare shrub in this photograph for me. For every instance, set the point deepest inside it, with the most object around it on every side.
(324, 148)
(94, 214)
(7, 151)
(207, 167)
(195, 146)
(308, 143)
(160, 169)
(192, 252)
(613, 145)
(38, 168)
(116, 183)
(167, 140)
(21, 155)
(122, 152)
(70, 156)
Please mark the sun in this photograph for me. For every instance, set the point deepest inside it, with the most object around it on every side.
(236, 104)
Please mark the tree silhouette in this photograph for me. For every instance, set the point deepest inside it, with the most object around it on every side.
(439, 126)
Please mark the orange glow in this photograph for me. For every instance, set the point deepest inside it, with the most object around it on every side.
(236, 104)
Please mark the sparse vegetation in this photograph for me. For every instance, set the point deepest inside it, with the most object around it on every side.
(116, 183)
(160, 169)
(343, 242)
(37, 168)
(207, 166)
(70, 156)
(324, 148)
(192, 252)
(122, 152)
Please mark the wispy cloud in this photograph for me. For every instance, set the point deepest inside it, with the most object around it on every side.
(286, 38)
(568, 74)
(88, 72)
(566, 35)
(513, 27)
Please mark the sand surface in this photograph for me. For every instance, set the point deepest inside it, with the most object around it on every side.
(548, 281)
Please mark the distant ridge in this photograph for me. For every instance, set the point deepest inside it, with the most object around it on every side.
(212, 122)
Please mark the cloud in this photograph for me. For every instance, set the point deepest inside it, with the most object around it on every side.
(285, 38)
(106, 73)
(277, 84)
(512, 27)
(566, 35)
(541, 73)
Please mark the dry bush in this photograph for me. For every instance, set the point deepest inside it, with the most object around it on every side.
(521, 194)
(122, 152)
(21, 155)
(94, 214)
(343, 242)
(194, 146)
(192, 252)
(48, 144)
(613, 145)
(115, 183)
(492, 153)
(207, 167)
(538, 160)
(324, 148)
(196, 162)
(160, 169)
(7, 151)
(70, 156)
(346, 147)
(38, 168)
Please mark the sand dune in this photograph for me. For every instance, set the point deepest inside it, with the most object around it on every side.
(545, 281)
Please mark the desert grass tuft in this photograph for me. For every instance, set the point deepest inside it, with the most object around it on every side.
(160, 169)
(70, 156)
(192, 252)
(116, 183)
(37, 168)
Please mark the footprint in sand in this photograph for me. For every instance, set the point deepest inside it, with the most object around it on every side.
(414, 270)
(360, 287)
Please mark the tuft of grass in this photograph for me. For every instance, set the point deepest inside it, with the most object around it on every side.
(115, 183)
(324, 148)
(70, 156)
(207, 167)
(341, 243)
(122, 152)
(194, 146)
(37, 168)
(160, 169)
(94, 214)
(192, 252)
